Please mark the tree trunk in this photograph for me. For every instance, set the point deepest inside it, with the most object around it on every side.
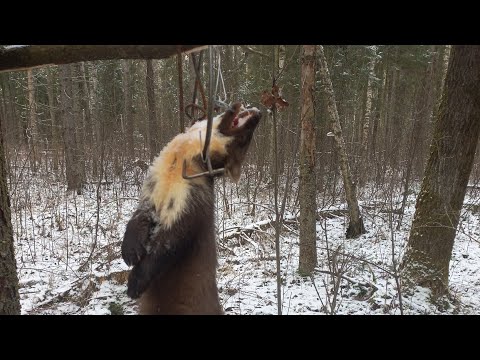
(72, 163)
(95, 115)
(452, 151)
(36, 55)
(152, 116)
(54, 129)
(181, 109)
(79, 121)
(389, 116)
(355, 227)
(411, 150)
(128, 115)
(398, 120)
(86, 106)
(378, 114)
(368, 114)
(32, 122)
(308, 233)
(424, 107)
(9, 297)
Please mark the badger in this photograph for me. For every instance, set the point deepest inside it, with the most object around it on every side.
(170, 238)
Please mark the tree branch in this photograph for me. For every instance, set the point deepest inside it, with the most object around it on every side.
(22, 57)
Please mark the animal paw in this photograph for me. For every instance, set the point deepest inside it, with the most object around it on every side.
(137, 283)
(132, 251)
(136, 237)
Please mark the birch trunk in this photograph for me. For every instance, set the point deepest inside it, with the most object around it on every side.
(355, 227)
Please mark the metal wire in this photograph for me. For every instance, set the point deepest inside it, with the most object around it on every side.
(206, 148)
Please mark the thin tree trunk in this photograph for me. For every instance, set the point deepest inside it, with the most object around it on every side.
(418, 119)
(88, 131)
(368, 114)
(378, 114)
(355, 227)
(180, 92)
(282, 52)
(425, 104)
(72, 166)
(54, 126)
(388, 144)
(79, 121)
(9, 296)
(152, 117)
(96, 117)
(128, 115)
(14, 116)
(452, 152)
(32, 121)
(308, 233)
(397, 120)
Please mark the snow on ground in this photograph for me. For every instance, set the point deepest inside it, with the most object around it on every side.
(63, 270)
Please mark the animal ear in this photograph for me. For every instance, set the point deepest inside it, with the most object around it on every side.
(226, 122)
(229, 116)
(237, 107)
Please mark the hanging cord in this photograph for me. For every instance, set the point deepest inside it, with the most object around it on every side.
(206, 148)
(220, 103)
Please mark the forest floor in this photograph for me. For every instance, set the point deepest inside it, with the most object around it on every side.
(69, 262)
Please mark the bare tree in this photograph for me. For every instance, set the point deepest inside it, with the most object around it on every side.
(308, 233)
(452, 151)
(355, 227)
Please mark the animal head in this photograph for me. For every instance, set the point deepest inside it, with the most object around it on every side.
(232, 133)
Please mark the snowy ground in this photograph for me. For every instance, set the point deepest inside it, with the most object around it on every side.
(63, 270)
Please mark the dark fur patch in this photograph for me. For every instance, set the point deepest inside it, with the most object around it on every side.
(172, 248)
(170, 204)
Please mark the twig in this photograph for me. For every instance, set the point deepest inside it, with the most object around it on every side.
(367, 284)
(318, 294)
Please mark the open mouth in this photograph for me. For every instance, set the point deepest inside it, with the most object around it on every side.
(243, 117)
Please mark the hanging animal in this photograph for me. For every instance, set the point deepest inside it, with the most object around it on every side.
(170, 238)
